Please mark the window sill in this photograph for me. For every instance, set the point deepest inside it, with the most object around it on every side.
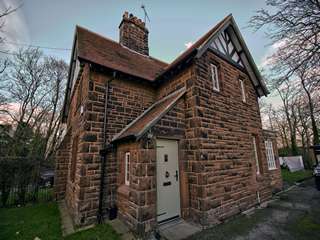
(246, 103)
(272, 169)
(215, 93)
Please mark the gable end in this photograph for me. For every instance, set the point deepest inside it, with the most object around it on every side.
(228, 43)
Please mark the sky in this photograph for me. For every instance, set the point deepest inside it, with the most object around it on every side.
(173, 25)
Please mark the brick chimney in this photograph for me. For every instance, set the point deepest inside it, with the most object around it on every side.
(134, 34)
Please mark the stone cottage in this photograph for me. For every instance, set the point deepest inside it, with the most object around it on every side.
(149, 141)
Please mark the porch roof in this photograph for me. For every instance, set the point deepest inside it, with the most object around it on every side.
(150, 117)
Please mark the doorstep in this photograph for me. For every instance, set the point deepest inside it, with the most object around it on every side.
(177, 229)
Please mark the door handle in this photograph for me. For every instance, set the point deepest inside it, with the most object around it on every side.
(177, 175)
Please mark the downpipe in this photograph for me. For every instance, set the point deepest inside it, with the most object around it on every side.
(103, 153)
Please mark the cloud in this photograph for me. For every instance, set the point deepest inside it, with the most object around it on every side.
(188, 44)
(13, 108)
(15, 28)
(266, 59)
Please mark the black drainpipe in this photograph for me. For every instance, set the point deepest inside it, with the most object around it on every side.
(105, 149)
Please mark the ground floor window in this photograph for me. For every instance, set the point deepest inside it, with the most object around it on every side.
(270, 155)
(127, 168)
(74, 157)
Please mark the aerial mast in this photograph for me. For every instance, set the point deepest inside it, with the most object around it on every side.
(146, 17)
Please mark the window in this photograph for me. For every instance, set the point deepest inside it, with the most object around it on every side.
(256, 156)
(243, 92)
(215, 77)
(79, 94)
(270, 155)
(74, 158)
(127, 169)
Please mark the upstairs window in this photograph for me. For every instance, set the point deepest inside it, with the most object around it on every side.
(215, 77)
(127, 169)
(256, 156)
(243, 91)
(270, 155)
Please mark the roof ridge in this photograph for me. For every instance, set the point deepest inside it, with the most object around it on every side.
(97, 34)
(115, 42)
(166, 66)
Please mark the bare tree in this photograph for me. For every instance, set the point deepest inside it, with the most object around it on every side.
(25, 84)
(304, 129)
(309, 81)
(36, 85)
(267, 110)
(56, 72)
(294, 26)
(287, 92)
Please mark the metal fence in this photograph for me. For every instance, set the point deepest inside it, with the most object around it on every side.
(24, 180)
(17, 198)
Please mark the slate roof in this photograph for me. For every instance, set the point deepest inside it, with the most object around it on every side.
(103, 51)
(106, 52)
(150, 117)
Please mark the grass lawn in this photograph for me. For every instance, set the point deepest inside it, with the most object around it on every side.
(43, 221)
(104, 231)
(292, 177)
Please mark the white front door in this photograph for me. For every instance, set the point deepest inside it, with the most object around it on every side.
(168, 188)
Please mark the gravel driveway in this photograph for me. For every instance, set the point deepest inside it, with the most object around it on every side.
(295, 215)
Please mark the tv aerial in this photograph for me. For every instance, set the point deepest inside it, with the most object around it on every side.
(146, 17)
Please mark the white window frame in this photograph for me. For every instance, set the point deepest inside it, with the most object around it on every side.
(243, 91)
(127, 169)
(270, 155)
(255, 149)
(215, 77)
